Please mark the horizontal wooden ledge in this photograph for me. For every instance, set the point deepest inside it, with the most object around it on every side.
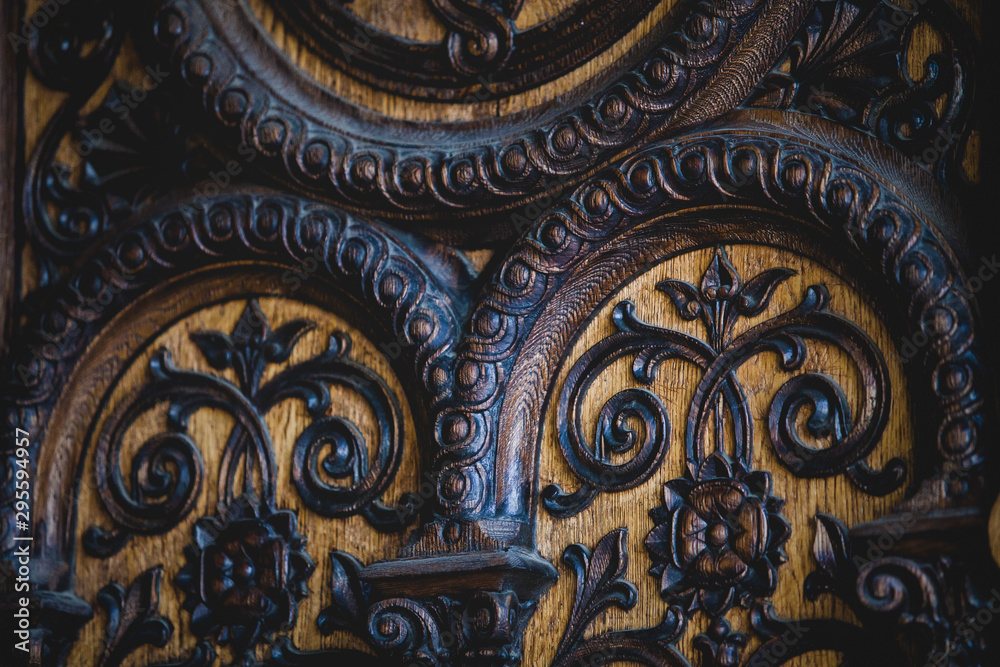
(517, 570)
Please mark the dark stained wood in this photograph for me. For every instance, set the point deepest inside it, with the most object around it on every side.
(645, 333)
(10, 167)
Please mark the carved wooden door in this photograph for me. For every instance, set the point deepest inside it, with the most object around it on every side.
(495, 332)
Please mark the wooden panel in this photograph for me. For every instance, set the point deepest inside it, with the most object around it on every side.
(675, 384)
(469, 190)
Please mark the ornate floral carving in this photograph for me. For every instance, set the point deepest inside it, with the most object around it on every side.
(73, 52)
(908, 605)
(719, 302)
(133, 618)
(344, 254)
(600, 585)
(719, 537)
(167, 472)
(720, 646)
(246, 572)
(877, 222)
(848, 62)
(478, 462)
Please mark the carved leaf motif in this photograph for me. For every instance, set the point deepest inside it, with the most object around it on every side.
(217, 348)
(600, 584)
(281, 343)
(756, 294)
(832, 550)
(721, 279)
(133, 620)
(684, 295)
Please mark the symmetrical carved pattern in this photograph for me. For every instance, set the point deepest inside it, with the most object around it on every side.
(245, 575)
(851, 206)
(330, 463)
(323, 242)
(720, 301)
(718, 538)
(789, 124)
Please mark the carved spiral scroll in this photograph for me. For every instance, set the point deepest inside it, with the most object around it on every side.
(167, 470)
(317, 477)
(722, 299)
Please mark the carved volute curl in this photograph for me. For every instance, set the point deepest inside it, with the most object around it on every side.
(721, 299)
(404, 296)
(166, 471)
(849, 62)
(481, 44)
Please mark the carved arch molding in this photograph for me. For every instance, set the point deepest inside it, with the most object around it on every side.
(495, 332)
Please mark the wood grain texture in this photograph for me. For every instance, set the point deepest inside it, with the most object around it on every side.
(210, 429)
(761, 378)
(481, 244)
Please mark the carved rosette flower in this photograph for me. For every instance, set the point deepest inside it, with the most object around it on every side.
(245, 574)
(718, 537)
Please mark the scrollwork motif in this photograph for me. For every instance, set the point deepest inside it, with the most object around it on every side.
(330, 462)
(849, 62)
(719, 302)
(600, 585)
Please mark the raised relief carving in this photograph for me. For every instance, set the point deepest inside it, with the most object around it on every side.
(721, 300)
(246, 572)
(330, 465)
(851, 61)
(380, 164)
(614, 136)
(719, 538)
(481, 47)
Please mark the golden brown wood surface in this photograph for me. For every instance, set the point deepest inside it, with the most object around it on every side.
(110, 366)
